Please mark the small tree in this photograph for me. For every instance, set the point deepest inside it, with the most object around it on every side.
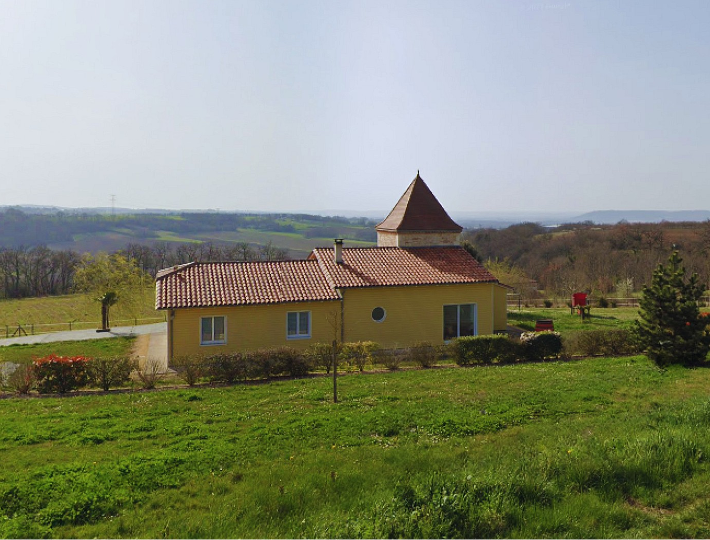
(110, 278)
(670, 328)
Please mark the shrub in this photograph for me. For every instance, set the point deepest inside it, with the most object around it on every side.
(391, 358)
(537, 346)
(482, 349)
(226, 367)
(60, 374)
(22, 379)
(603, 302)
(612, 342)
(289, 361)
(320, 355)
(424, 353)
(189, 367)
(548, 303)
(359, 353)
(107, 372)
(150, 373)
(261, 364)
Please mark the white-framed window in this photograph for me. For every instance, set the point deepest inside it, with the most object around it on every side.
(213, 330)
(460, 320)
(298, 324)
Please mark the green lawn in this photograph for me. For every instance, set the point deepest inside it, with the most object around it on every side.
(600, 319)
(595, 448)
(93, 348)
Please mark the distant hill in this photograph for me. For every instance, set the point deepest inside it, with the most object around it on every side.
(642, 216)
(98, 231)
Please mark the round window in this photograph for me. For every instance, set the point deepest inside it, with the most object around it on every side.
(378, 314)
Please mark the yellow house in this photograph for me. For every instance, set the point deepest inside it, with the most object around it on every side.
(418, 284)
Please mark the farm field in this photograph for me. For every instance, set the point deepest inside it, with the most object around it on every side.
(609, 447)
(297, 233)
(566, 323)
(53, 313)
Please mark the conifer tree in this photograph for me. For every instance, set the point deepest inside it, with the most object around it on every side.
(670, 328)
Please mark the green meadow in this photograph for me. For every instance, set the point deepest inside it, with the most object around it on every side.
(92, 348)
(607, 447)
(566, 322)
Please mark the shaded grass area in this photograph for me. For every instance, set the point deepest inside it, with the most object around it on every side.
(565, 322)
(601, 448)
(93, 348)
(58, 311)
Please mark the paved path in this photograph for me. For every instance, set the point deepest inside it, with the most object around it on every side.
(152, 347)
(82, 335)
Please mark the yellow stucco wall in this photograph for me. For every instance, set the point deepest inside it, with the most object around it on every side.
(252, 327)
(413, 313)
(500, 322)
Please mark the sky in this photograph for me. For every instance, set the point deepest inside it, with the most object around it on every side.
(310, 106)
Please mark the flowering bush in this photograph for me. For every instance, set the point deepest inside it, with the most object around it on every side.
(60, 374)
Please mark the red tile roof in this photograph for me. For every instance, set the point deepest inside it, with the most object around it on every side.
(418, 210)
(391, 266)
(234, 284)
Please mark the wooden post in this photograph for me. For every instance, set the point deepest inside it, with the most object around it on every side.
(335, 371)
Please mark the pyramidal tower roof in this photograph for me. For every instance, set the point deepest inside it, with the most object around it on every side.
(418, 210)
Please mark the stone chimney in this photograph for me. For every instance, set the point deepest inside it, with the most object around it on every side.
(339, 250)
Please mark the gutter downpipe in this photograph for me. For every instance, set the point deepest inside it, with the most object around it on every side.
(341, 294)
(171, 317)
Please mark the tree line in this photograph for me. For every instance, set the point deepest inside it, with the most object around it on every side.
(40, 271)
(604, 260)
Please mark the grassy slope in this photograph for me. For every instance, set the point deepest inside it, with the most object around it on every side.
(601, 448)
(75, 307)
